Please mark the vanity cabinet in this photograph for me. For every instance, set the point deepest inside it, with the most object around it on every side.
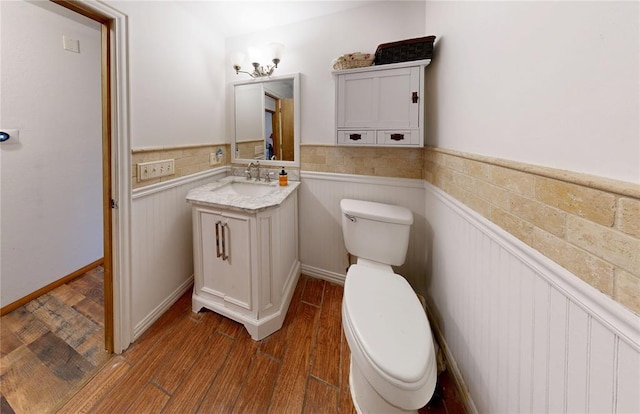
(246, 264)
(381, 105)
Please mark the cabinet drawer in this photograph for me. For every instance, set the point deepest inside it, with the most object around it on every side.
(398, 137)
(356, 137)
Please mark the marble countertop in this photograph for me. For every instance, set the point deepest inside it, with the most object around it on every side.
(205, 195)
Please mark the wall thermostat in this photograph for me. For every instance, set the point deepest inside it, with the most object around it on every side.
(9, 136)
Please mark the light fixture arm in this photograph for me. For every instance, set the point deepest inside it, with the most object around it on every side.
(259, 71)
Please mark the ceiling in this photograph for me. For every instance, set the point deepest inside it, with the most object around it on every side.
(234, 18)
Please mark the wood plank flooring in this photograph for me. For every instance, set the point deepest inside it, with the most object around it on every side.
(205, 363)
(52, 345)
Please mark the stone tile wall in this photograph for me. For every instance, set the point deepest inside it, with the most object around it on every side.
(382, 162)
(588, 225)
(188, 160)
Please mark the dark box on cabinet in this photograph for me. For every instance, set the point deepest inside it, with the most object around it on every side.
(405, 50)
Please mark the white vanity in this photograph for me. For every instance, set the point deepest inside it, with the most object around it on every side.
(245, 243)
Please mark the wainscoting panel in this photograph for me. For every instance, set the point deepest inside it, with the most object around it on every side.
(162, 246)
(322, 251)
(524, 334)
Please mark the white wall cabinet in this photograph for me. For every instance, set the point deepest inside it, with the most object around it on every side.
(381, 105)
(246, 265)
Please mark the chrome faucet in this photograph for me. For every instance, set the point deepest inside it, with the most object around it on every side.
(255, 165)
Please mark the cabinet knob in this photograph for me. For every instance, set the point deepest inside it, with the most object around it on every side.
(414, 97)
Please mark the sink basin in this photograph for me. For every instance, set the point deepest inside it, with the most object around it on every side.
(247, 188)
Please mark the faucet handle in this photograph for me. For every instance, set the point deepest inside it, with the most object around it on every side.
(268, 176)
(257, 170)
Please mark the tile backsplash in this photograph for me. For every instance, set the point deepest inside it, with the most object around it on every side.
(381, 162)
(188, 160)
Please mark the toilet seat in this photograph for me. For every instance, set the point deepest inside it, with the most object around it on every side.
(377, 265)
(389, 333)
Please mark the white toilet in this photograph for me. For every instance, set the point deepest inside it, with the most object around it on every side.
(393, 364)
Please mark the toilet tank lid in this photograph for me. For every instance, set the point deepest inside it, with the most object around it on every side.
(376, 211)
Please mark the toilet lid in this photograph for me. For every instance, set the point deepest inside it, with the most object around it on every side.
(388, 322)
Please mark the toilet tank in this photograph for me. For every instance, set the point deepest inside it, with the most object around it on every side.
(376, 231)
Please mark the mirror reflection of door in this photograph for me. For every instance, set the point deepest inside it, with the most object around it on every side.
(278, 128)
(286, 115)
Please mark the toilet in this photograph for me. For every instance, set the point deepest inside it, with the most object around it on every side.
(393, 364)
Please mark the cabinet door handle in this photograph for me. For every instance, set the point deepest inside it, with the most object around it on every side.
(414, 97)
(397, 137)
(218, 254)
(355, 137)
(224, 237)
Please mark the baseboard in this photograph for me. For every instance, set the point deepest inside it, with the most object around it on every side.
(162, 308)
(322, 274)
(48, 288)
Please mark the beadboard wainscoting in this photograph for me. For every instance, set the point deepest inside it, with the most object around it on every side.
(322, 251)
(526, 335)
(162, 253)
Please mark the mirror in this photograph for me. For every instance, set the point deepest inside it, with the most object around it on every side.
(267, 121)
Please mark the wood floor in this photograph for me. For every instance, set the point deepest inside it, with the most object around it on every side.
(51, 345)
(205, 363)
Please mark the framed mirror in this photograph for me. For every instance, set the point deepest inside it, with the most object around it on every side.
(266, 125)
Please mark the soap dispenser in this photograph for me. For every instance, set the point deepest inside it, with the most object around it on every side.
(283, 178)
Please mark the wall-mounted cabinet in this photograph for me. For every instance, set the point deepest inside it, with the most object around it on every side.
(381, 105)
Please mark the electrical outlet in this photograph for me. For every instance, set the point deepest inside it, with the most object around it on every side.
(155, 169)
(257, 150)
(214, 159)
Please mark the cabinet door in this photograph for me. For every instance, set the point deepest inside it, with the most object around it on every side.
(379, 99)
(397, 107)
(226, 258)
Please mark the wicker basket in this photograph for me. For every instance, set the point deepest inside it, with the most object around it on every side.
(405, 50)
(353, 60)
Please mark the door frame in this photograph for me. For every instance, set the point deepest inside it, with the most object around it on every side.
(116, 169)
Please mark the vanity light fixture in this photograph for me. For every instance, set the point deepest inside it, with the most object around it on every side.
(259, 71)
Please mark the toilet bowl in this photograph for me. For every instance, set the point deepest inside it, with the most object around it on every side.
(393, 364)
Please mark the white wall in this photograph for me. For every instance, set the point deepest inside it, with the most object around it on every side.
(176, 76)
(50, 183)
(310, 47)
(549, 83)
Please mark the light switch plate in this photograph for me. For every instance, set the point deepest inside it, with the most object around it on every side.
(72, 45)
(155, 169)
